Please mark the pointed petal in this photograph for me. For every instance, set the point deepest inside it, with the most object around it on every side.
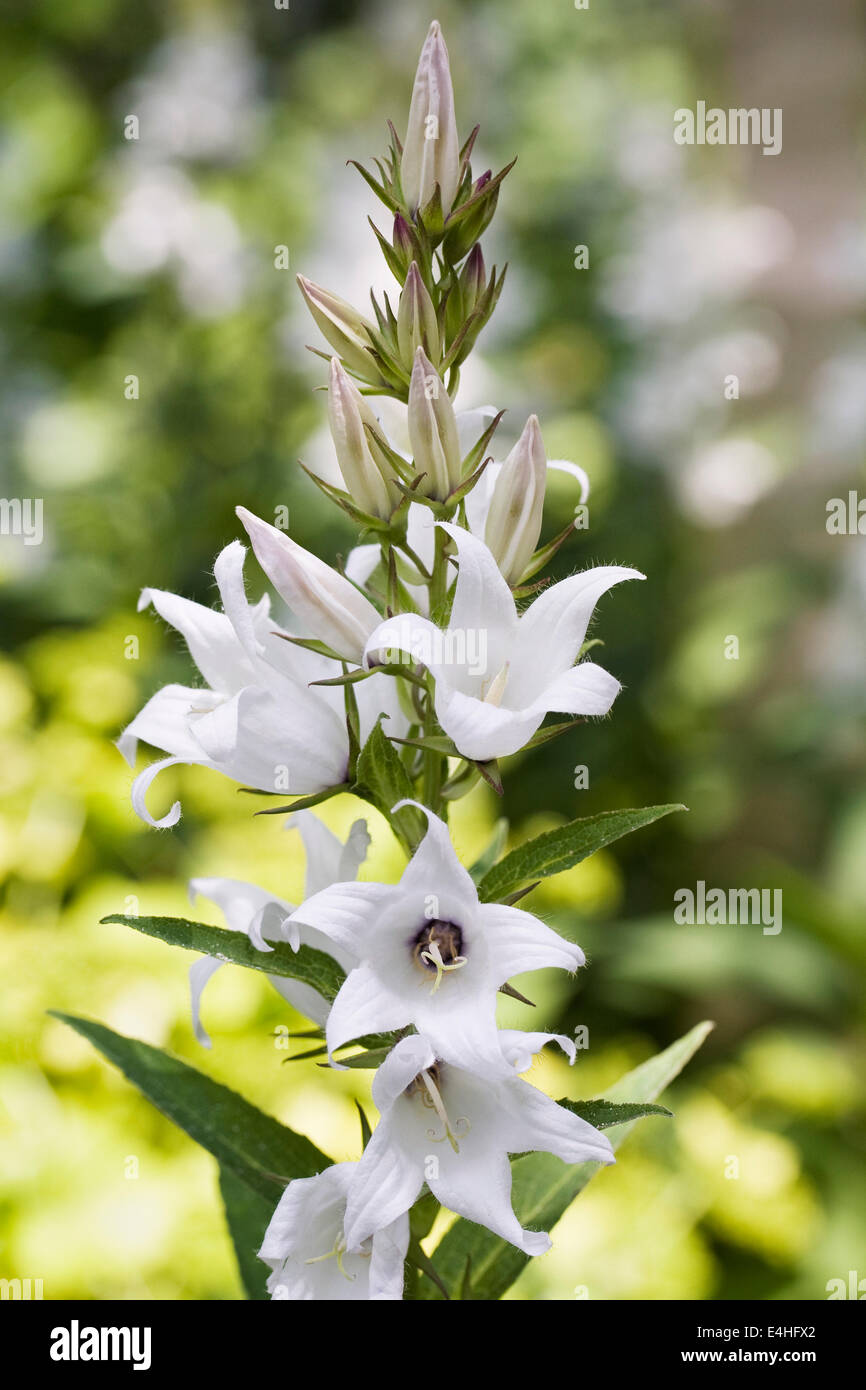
(141, 786)
(199, 973)
(520, 1048)
(585, 689)
(388, 1180)
(210, 637)
(551, 631)
(386, 1264)
(519, 942)
(164, 722)
(536, 1124)
(483, 731)
(435, 871)
(482, 599)
(347, 912)
(328, 859)
(365, 1005)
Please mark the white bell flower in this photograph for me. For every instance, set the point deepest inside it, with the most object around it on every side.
(454, 1130)
(305, 1245)
(497, 672)
(256, 719)
(430, 954)
(261, 915)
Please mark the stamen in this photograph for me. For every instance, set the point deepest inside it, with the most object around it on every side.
(337, 1253)
(493, 695)
(432, 954)
(435, 1100)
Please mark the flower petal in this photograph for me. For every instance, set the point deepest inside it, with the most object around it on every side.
(519, 942)
(551, 631)
(365, 1005)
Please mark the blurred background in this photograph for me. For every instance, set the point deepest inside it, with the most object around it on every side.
(155, 258)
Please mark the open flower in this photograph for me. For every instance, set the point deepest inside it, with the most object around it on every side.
(430, 955)
(305, 1245)
(261, 915)
(256, 719)
(453, 1129)
(491, 707)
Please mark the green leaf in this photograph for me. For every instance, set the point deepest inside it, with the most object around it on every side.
(604, 1113)
(314, 968)
(562, 848)
(544, 1187)
(247, 1217)
(382, 780)
(252, 1145)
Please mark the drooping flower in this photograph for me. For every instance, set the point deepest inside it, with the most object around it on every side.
(455, 1129)
(431, 153)
(492, 707)
(430, 954)
(305, 1245)
(256, 719)
(262, 916)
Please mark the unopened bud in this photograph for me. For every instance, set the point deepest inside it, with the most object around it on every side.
(347, 331)
(431, 153)
(514, 519)
(332, 608)
(473, 279)
(416, 319)
(348, 413)
(433, 430)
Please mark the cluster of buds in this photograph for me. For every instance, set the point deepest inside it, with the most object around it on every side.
(440, 212)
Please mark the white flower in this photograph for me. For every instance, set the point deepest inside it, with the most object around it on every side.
(261, 915)
(431, 153)
(492, 707)
(256, 720)
(328, 604)
(453, 1129)
(305, 1245)
(430, 954)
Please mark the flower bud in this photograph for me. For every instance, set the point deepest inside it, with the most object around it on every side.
(514, 519)
(331, 607)
(348, 413)
(346, 330)
(431, 153)
(473, 279)
(416, 319)
(432, 430)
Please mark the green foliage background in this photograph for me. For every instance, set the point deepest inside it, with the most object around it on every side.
(247, 115)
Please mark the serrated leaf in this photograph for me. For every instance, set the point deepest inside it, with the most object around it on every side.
(382, 780)
(562, 848)
(247, 1217)
(544, 1187)
(314, 968)
(253, 1146)
(604, 1113)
